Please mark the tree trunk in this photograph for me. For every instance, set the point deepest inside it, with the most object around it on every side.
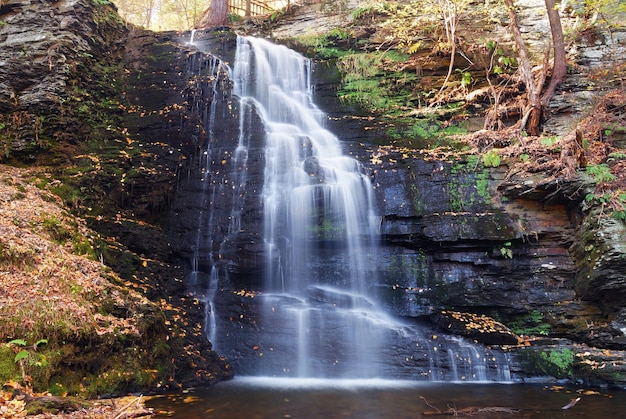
(532, 112)
(450, 19)
(216, 15)
(559, 68)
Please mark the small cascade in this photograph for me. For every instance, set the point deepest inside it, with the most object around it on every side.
(240, 167)
(203, 99)
(210, 318)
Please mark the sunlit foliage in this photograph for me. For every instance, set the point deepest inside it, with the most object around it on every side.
(162, 14)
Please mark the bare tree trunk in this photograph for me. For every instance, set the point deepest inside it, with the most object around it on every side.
(149, 9)
(216, 15)
(532, 113)
(450, 18)
(559, 69)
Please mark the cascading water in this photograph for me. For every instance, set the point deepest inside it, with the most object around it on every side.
(318, 203)
(312, 309)
(209, 71)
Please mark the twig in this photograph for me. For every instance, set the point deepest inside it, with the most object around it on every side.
(121, 413)
(429, 405)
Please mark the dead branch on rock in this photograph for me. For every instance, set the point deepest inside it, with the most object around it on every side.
(473, 411)
(467, 411)
(133, 409)
(429, 405)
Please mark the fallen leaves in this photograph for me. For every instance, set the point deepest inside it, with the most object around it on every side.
(11, 408)
(14, 405)
(45, 288)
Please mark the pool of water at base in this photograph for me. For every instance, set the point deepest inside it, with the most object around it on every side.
(265, 398)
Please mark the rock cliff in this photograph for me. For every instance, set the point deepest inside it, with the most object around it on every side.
(66, 109)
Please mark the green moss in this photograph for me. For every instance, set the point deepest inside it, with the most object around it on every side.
(9, 369)
(61, 232)
(82, 246)
(413, 267)
(58, 231)
(326, 229)
(558, 363)
(468, 188)
(12, 255)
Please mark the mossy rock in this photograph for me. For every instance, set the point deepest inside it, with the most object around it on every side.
(55, 405)
(556, 361)
(9, 369)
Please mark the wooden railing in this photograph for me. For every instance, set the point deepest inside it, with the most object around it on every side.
(258, 7)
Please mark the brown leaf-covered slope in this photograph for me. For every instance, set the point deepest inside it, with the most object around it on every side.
(43, 282)
(103, 335)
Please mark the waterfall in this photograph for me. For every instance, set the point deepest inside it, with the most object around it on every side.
(298, 295)
(209, 70)
(318, 203)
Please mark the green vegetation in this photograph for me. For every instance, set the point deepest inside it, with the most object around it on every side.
(620, 212)
(15, 256)
(276, 15)
(617, 155)
(549, 141)
(325, 46)
(28, 356)
(31, 131)
(614, 201)
(326, 229)
(412, 267)
(491, 159)
(62, 232)
(600, 173)
(234, 18)
(59, 233)
(506, 250)
(558, 363)
(369, 9)
(375, 83)
(469, 186)
(531, 324)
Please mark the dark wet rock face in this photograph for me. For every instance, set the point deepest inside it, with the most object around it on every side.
(47, 48)
(54, 43)
(453, 240)
(599, 253)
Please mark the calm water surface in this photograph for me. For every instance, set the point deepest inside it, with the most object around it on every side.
(265, 398)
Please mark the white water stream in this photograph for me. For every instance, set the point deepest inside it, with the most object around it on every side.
(314, 197)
